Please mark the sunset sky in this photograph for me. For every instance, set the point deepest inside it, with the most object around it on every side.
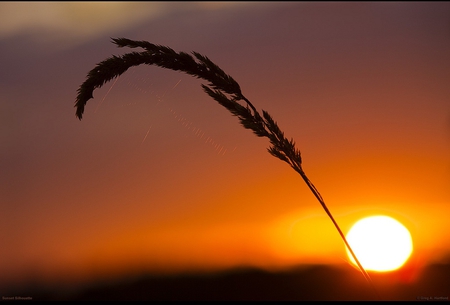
(157, 176)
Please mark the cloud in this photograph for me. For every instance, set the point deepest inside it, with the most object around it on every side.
(70, 23)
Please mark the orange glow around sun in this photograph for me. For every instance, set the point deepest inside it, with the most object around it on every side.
(380, 243)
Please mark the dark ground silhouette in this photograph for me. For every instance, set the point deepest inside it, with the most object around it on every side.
(316, 282)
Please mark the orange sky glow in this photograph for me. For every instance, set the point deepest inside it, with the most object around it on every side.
(159, 177)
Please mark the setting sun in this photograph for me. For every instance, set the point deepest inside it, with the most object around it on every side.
(380, 243)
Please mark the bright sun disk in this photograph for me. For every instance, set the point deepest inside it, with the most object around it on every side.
(380, 243)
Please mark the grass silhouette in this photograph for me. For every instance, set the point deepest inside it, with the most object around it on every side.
(221, 87)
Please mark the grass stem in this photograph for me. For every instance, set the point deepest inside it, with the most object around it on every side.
(221, 87)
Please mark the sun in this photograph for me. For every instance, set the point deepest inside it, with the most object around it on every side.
(380, 243)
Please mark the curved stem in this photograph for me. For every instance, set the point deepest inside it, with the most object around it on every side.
(221, 84)
(322, 202)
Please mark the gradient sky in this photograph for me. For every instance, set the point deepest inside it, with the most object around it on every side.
(159, 177)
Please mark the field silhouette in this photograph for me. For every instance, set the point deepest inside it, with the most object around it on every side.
(309, 282)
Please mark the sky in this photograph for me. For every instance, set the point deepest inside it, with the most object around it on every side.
(157, 176)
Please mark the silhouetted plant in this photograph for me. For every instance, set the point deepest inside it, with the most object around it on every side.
(221, 87)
